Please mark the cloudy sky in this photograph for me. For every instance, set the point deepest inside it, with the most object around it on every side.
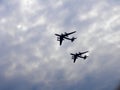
(30, 55)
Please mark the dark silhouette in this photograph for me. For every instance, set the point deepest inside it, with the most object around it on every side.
(118, 87)
(76, 55)
(64, 36)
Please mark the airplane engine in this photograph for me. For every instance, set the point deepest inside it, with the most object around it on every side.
(58, 38)
(72, 57)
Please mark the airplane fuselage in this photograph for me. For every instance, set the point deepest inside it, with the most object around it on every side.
(62, 36)
(76, 55)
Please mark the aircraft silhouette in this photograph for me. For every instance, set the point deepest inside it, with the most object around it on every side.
(64, 36)
(79, 54)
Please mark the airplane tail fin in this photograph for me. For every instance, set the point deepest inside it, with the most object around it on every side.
(72, 39)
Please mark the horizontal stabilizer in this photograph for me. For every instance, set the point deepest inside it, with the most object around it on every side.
(85, 57)
(73, 38)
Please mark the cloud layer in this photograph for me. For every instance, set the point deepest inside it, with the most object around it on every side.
(31, 58)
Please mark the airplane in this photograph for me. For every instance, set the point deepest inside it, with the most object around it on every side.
(79, 54)
(64, 36)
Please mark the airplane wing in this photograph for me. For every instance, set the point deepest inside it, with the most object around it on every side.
(61, 40)
(75, 59)
(83, 52)
(57, 34)
(70, 33)
(72, 54)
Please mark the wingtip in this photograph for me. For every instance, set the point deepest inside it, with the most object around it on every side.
(60, 44)
(71, 54)
(74, 31)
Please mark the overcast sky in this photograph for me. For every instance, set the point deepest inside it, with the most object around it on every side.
(30, 55)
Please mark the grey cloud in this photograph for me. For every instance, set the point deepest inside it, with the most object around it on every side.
(31, 58)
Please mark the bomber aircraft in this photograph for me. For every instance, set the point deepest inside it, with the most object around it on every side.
(79, 54)
(63, 36)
